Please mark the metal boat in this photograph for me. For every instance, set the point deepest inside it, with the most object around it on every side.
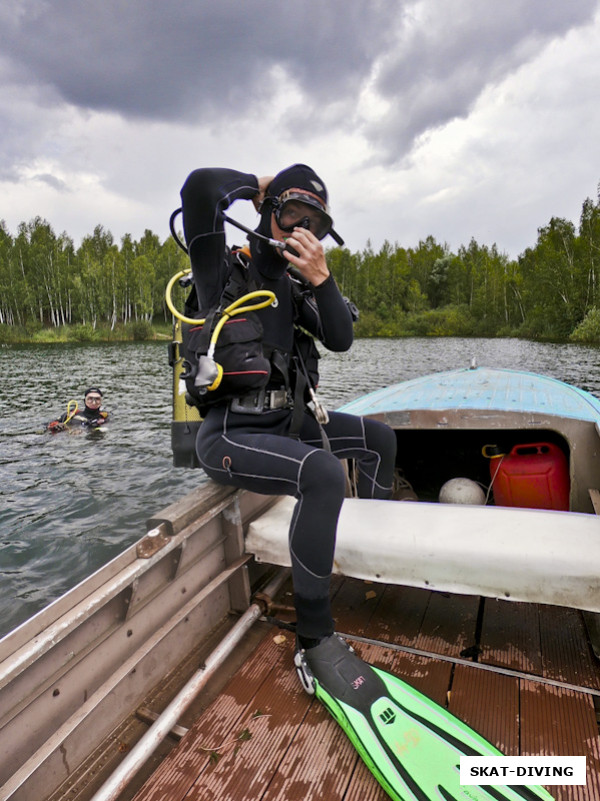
(162, 675)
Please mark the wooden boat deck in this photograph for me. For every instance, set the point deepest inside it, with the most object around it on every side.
(264, 738)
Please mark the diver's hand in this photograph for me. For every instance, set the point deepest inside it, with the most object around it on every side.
(263, 185)
(310, 260)
(56, 425)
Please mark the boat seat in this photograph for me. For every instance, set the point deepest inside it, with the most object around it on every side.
(529, 555)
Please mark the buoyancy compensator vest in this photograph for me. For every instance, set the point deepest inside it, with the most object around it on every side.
(223, 350)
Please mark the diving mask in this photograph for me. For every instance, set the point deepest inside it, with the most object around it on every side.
(299, 210)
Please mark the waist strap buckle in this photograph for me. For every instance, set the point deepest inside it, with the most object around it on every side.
(261, 400)
(277, 399)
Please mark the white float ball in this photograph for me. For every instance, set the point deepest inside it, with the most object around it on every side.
(462, 490)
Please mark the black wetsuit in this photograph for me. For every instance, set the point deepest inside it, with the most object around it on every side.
(255, 451)
(86, 418)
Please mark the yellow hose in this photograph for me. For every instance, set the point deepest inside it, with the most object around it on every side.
(232, 309)
(72, 409)
(485, 452)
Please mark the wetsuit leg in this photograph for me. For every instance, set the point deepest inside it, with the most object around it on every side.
(256, 454)
(371, 443)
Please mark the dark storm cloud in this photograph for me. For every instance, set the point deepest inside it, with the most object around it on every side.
(188, 59)
(443, 61)
(214, 62)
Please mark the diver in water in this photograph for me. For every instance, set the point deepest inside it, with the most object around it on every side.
(91, 416)
(267, 440)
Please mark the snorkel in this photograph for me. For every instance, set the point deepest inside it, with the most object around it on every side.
(275, 243)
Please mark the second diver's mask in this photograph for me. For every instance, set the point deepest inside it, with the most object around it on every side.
(299, 210)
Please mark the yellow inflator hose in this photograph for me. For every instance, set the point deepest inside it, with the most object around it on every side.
(72, 409)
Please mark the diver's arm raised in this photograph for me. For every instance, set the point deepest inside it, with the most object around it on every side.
(205, 195)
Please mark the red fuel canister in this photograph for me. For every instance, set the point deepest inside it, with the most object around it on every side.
(534, 476)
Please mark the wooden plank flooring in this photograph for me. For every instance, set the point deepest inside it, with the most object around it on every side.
(264, 738)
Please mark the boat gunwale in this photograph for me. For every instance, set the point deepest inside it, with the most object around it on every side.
(400, 396)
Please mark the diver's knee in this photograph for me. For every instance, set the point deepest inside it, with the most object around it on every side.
(380, 437)
(322, 472)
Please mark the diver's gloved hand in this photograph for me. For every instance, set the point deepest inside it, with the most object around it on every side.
(305, 252)
(56, 426)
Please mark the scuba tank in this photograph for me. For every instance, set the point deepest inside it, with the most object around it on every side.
(186, 416)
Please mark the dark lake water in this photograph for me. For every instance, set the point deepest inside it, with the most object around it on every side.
(71, 502)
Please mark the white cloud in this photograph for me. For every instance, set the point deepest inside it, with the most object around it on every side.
(464, 143)
(528, 150)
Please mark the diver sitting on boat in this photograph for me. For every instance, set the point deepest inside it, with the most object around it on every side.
(91, 416)
(266, 439)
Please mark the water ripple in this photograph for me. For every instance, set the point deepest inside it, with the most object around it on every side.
(69, 503)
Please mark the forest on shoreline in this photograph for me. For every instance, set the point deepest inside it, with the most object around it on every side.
(51, 291)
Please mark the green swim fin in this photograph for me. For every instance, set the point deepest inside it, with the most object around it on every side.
(409, 743)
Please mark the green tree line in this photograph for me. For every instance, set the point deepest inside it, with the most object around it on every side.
(551, 291)
(45, 282)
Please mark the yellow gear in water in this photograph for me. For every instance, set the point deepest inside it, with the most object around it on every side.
(72, 409)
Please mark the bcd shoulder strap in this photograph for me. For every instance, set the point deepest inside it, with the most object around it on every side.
(239, 282)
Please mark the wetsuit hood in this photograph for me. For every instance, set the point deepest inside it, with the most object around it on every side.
(298, 176)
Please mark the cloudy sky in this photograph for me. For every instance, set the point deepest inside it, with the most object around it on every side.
(450, 118)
